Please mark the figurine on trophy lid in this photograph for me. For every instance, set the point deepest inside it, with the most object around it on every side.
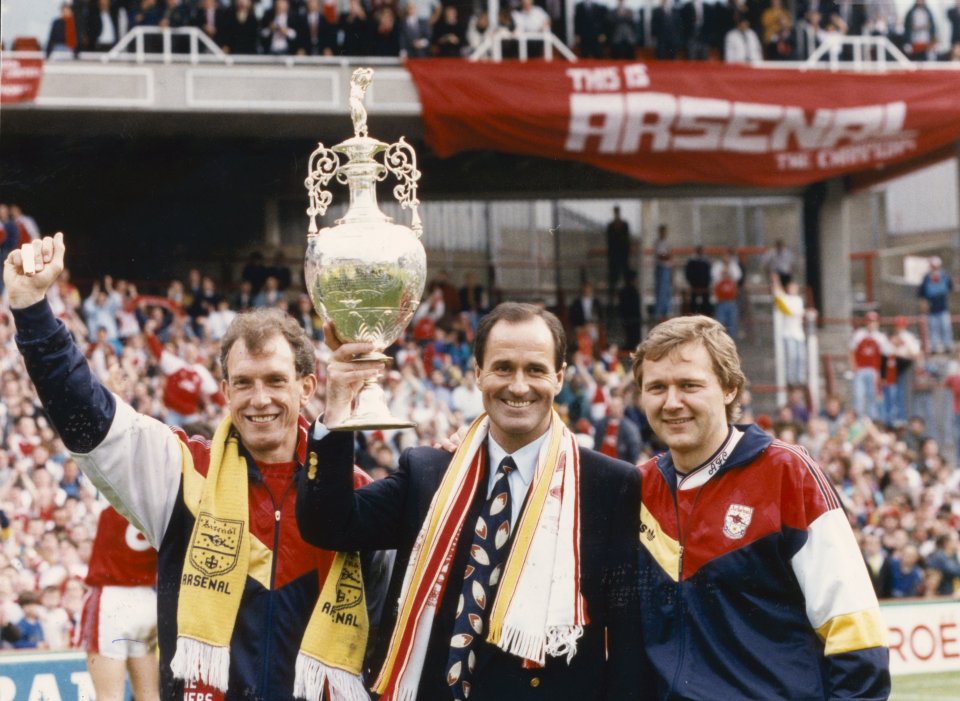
(365, 273)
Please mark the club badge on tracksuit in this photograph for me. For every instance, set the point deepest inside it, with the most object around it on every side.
(737, 520)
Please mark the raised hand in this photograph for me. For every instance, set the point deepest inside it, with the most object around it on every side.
(29, 271)
(344, 376)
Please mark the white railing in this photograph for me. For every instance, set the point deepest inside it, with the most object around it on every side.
(492, 45)
(137, 36)
(202, 49)
(837, 52)
(865, 53)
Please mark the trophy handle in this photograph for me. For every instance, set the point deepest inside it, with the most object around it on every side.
(324, 164)
(401, 160)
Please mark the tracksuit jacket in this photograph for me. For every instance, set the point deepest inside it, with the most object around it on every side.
(751, 582)
(136, 461)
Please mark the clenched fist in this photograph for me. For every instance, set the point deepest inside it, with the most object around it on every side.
(29, 271)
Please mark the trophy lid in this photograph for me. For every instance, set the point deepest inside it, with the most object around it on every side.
(362, 170)
(361, 147)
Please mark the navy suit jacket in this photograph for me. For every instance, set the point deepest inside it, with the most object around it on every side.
(387, 514)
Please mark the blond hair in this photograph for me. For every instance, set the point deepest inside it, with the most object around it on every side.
(673, 334)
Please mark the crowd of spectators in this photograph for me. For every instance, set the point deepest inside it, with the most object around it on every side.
(159, 352)
(732, 30)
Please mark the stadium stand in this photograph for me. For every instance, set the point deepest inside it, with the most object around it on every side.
(898, 483)
(692, 30)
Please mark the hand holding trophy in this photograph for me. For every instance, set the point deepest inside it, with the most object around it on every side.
(365, 273)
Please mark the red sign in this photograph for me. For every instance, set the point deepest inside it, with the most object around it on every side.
(680, 122)
(20, 78)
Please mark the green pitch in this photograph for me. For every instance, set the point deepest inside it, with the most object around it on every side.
(926, 687)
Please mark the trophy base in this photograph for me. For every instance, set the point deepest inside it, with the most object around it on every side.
(370, 422)
(371, 411)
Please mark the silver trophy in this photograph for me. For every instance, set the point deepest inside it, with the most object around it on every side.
(365, 273)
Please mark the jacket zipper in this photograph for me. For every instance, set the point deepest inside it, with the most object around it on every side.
(265, 674)
(682, 534)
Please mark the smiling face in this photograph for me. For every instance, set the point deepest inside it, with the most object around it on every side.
(265, 397)
(685, 404)
(518, 380)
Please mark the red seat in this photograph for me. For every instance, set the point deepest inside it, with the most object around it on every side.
(26, 44)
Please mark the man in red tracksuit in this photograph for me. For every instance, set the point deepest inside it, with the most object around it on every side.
(751, 580)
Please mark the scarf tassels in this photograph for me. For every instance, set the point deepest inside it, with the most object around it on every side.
(538, 609)
(215, 568)
(198, 661)
(313, 677)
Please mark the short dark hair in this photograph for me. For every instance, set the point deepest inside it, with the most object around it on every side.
(257, 326)
(515, 313)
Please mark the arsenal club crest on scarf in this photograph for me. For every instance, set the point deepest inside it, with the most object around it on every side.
(349, 586)
(736, 521)
(216, 544)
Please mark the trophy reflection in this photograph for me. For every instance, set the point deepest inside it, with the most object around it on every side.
(365, 273)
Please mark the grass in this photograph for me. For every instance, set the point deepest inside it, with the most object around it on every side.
(944, 686)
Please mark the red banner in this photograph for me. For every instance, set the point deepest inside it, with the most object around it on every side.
(20, 78)
(680, 122)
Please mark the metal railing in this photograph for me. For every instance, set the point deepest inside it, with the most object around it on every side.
(492, 45)
(201, 48)
(863, 52)
(837, 52)
(138, 36)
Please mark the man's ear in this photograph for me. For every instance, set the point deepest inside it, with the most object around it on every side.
(308, 387)
(559, 377)
(729, 396)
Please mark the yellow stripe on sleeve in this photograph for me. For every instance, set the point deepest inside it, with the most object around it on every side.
(852, 631)
(665, 550)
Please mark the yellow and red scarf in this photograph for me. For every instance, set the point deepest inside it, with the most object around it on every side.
(538, 610)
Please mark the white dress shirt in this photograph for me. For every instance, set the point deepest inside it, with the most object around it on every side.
(519, 479)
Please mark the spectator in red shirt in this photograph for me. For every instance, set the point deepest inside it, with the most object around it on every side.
(867, 347)
(188, 382)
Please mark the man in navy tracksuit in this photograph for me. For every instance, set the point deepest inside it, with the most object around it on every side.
(153, 475)
(751, 580)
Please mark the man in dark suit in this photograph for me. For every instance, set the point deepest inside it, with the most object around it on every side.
(590, 28)
(953, 17)
(209, 17)
(585, 309)
(666, 30)
(240, 31)
(414, 33)
(629, 307)
(316, 36)
(697, 273)
(696, 17)
(519, 353)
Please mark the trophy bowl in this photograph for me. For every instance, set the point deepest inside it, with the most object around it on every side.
(366, 279)
(365, 273)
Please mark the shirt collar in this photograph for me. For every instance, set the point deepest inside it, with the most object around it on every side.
(699, 476)
(525, 458)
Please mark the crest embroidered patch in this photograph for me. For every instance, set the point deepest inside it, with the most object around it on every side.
(216, 544)
(349, 586)
(736, 521)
